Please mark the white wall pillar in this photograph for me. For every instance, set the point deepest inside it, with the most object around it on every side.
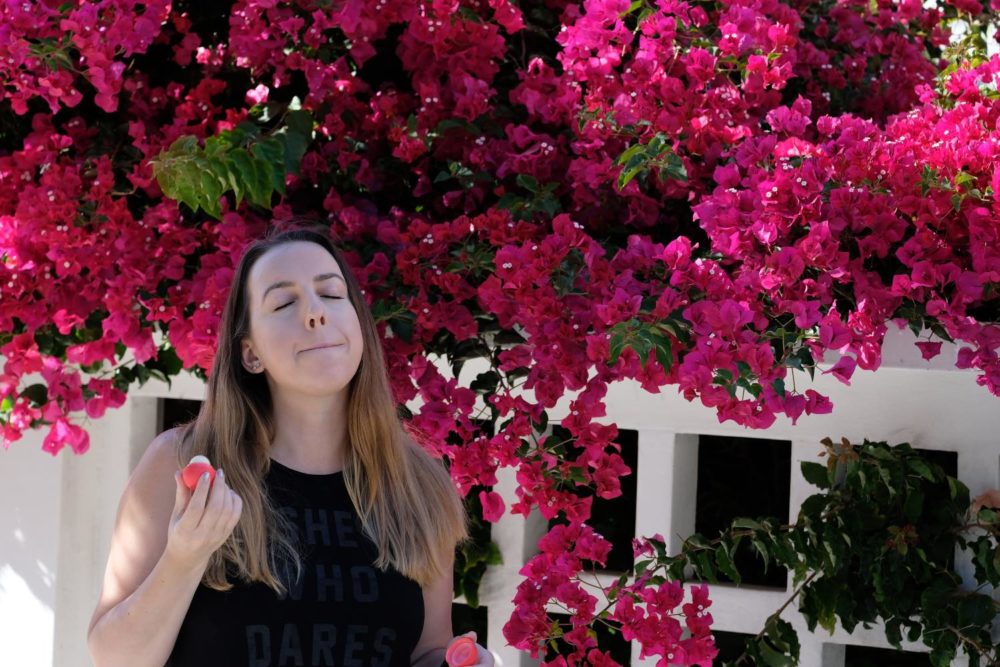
(92, 487)
(517, 537)
(31, 492)
(666, 491)
(666, 486)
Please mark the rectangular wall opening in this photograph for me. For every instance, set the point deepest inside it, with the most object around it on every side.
(865, 656)
(743, 477)
(614, 518)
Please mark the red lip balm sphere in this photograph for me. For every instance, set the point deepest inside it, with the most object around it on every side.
(193, 471)
(462, 653)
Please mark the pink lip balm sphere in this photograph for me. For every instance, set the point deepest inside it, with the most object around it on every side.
(193, 471)
(462, 653)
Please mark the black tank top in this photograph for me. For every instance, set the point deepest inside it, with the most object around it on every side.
(341, 611)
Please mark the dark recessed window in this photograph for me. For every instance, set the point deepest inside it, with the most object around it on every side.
(178, 411)
(466, 619)
(613, 518)
(609, 639)
(743, 477)
(947, 460)
(730, 644)
(863, 656)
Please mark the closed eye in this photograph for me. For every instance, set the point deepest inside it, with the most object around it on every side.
(325, 296)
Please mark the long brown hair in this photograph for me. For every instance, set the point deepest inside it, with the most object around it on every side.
(404, 497)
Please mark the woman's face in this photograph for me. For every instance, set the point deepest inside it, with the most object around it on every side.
(304, 331)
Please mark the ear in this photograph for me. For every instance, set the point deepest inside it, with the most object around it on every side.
(251, 362)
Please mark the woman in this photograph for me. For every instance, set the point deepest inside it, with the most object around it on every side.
(327, 536)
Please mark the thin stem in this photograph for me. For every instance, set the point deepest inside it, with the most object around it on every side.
(745, 656)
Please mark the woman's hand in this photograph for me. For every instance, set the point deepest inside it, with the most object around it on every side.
(484, 658)
(202, 519)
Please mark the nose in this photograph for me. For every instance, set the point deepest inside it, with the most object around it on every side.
(315, 315)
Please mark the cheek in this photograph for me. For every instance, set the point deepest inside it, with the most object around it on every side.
(357, 336)
(271, 337)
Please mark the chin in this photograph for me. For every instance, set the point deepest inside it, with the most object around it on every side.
(324, 389)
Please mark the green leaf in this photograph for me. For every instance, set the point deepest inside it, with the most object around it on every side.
(295, 147)
(762, 550)
(952, 487)
(725, 563)
(269, 150)
(975, 610)
(615, 349)
(743, 523)
(300, 121)
(486, 383)
(628, 174)
(675, 168)
(529, 183)
(630, 153)
(209, 193)
(402, 326)
(37, 393)
(816, 474)
(663, 352)
(773, 658)
(180, 186)
(704, 565)
(169, 361)
(921, 468)
(242, 166)
(260, 188)
(914, 505)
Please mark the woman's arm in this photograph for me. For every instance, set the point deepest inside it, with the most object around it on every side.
(435, 658)
(160, 547)
(142, 628)
(436, 634)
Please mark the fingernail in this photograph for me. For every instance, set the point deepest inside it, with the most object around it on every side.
(221, 474)
(204, 476)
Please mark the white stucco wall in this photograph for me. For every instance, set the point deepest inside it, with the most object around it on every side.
(30, 496)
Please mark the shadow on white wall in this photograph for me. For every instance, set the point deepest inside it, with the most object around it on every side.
(29, 530)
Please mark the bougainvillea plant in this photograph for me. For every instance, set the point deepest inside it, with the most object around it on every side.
(875, 543)
(721, 197)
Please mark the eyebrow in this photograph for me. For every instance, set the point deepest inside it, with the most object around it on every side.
(287, 283)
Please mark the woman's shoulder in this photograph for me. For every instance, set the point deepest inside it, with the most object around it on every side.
(140, 531)
(151, 483)
(167, 449)
(153, 476)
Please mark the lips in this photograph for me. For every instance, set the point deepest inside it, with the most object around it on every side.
(321, 347)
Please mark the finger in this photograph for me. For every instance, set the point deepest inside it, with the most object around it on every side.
(237, 511)
(213, 504)
(196, 506)
(484, 657)
(181, 495)
(225, 511)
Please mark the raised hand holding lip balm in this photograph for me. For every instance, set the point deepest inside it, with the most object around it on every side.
(196, 467)
(462, 653)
